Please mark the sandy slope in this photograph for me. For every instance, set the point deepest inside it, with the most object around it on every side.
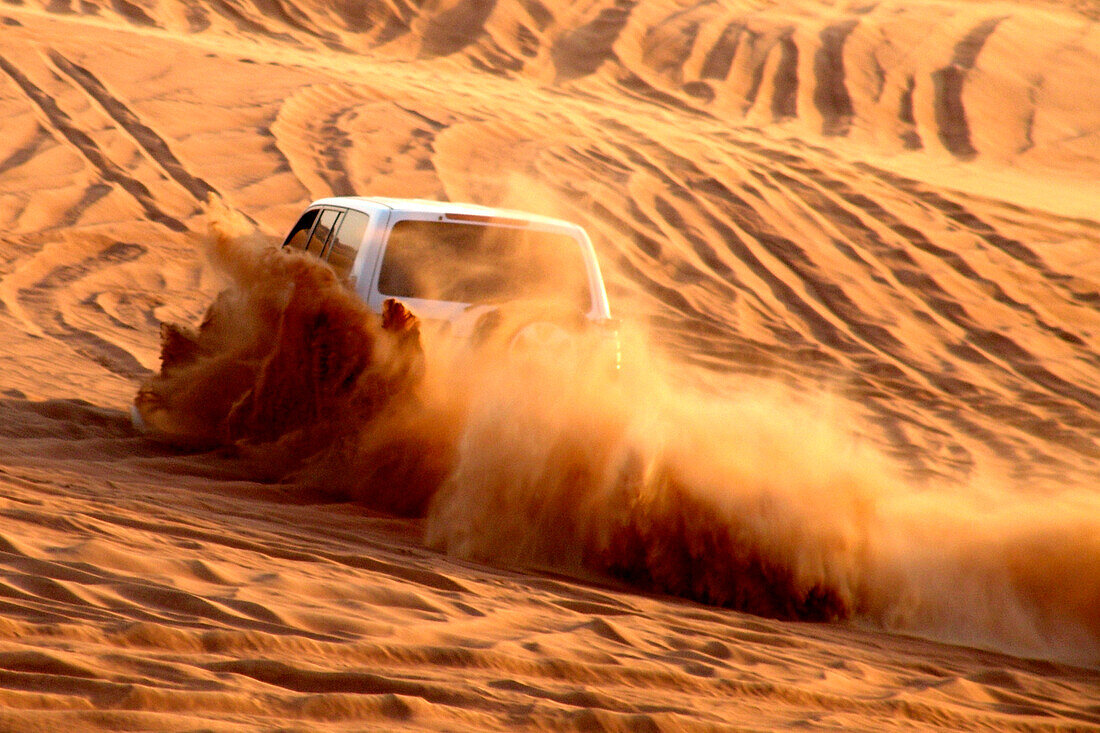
(892, 203)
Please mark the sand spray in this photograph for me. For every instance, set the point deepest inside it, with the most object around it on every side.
(751, 498)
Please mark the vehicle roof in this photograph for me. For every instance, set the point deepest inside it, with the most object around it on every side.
(371, 203)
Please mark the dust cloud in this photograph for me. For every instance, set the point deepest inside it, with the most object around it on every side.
(295, 372)
(758, 500)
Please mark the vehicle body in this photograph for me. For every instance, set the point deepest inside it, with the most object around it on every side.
(452, 263)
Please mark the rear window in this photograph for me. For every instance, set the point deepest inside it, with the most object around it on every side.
(477, 264)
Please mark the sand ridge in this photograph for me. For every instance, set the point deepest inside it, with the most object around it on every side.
(893, 204)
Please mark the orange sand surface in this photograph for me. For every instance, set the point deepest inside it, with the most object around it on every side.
(864, 236)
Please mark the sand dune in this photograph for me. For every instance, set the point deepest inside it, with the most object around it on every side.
(887, 210)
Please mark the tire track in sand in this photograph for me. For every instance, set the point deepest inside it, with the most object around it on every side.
(317, 131)
(67, 129)
(40, 301)
(125, 155)
(156, 148)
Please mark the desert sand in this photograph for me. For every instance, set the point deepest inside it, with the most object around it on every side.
(861, 241)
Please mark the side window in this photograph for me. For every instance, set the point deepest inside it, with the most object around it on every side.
(322, 231)
(345, 244)
(299, 235)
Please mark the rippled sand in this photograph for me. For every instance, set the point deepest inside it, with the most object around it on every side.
(890, 211)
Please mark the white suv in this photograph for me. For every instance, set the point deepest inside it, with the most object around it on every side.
(456, 263)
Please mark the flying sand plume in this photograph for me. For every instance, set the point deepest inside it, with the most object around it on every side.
(282, 356)
(747, 501)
